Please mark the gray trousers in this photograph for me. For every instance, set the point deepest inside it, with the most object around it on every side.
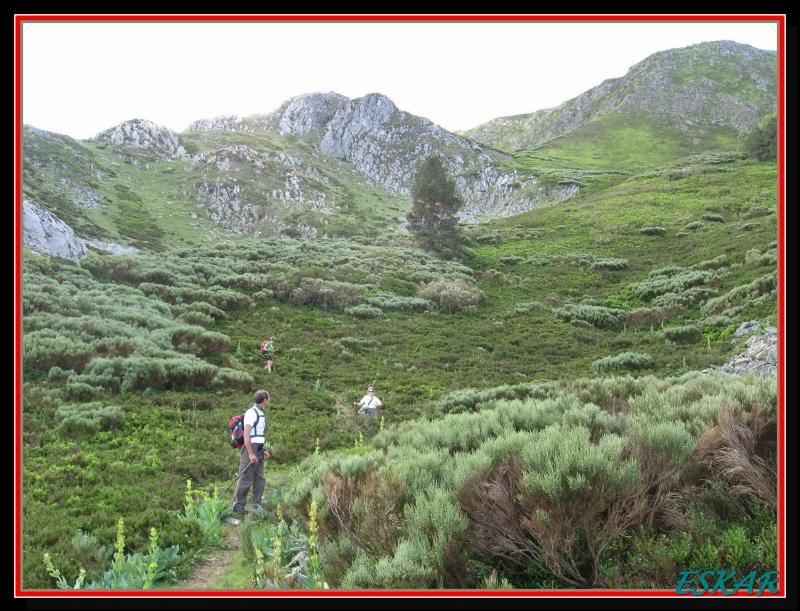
(253, 477)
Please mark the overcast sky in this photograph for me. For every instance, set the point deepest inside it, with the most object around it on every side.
(81, 78)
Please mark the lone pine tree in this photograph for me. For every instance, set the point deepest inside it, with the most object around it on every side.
(435, 201)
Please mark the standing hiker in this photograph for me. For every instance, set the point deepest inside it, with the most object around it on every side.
(253, 454)
(369, 404)
(268, 352)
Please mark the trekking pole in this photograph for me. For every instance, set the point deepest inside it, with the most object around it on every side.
(238, 477)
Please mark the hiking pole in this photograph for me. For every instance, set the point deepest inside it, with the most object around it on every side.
(238, 477)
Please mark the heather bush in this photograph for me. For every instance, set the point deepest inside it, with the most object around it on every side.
(659, 231)
(671, 280)
(364, 311)
(88, 418)
(599, 316)
(694, 226)
(452, 296)
(682, 334)
(388, 301)
(713, 218)
(609, 264)
(232, 378)
(625, 360)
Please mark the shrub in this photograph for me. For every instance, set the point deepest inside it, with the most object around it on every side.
(598, 316)
(609, 264)
(231, 378)
(757, 212)
(452, 296)
(694, 226)
(748, 226)
(713, 218)
(715, 263)
(660, 231)
(194, 317)
(388, 301)
(626, 360)
(674, 281)
(88, 418)
(511, 260)
(682, 335)
(364, 311)
(648, 316)
(42, 350)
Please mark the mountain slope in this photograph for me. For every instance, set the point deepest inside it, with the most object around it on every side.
(700, 89)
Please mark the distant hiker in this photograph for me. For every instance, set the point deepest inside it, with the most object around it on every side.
(369, 404)
(268, 352)
(253, 454)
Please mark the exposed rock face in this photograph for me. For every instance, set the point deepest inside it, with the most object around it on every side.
(714, 84)
(111, 247)
(154, 141)
(237, 182)
(760, 358)
(308, 112)
(747, 328)
(45, 233)
(386, 145)
(223, 123)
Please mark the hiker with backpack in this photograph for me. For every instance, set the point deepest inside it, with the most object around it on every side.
(249, 432)
(369, 404)
(268, 352)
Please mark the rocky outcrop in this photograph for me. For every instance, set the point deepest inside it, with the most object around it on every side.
(145, 137)
(386, 145)
(45, 233)
(705, 86)
(747, 328)
(309, 112)
(223, 123)
(240, 187)
(111, 247)
(760, 358)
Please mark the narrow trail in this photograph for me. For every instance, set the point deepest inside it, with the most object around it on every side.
(214, 568)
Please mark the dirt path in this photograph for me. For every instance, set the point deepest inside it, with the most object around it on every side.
(211, 571)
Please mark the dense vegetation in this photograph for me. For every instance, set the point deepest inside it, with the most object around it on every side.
(133, 365)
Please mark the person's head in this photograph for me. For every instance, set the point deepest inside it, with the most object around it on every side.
(272, 338)
(370, 391)
(262, 397)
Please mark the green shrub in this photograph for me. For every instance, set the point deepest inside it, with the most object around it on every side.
(713, 218)
(452, 296)
(231, 378)
(88, 418)
(598, 316)
(659, 231)
(626, 360)
(694, 226)
(609, 264)
(683, 334)
(748, 226)
(364, 311)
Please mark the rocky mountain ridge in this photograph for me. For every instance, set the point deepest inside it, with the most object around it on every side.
(720, 84)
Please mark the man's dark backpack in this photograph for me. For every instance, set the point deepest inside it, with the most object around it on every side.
(236, 426)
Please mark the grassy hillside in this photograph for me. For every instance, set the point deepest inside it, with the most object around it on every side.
(133, 365)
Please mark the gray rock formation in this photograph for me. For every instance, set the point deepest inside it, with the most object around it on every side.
(747, 328)
(111, 247)
(146, 137)
(45, 233)
(760, 358)
(386, 145)
(306, 113)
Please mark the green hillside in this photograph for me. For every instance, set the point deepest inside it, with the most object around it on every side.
(133, 365)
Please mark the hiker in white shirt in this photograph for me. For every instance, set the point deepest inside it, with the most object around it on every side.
(369, 404)
(253, 454)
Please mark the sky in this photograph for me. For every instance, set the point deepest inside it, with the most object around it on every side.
(81, 78)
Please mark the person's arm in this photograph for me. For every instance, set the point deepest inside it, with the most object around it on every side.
(249, 446)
